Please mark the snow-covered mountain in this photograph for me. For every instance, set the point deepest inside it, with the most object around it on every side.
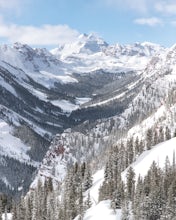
(150, 103)
(139, 98)
(44, 93)
(90, 53)
(85, 44)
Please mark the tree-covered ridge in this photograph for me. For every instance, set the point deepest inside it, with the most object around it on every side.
(151, 197)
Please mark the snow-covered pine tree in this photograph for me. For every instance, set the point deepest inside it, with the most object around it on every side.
(88, 202)
(167, 133)
(28, 208)
(130, 185)
(130, 150)
(161, 134)
(88, 181)
(138, 200)
(149, 139)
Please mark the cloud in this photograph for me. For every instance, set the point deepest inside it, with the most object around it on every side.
(45, 35)
(149, 21)
(145, 6)
(166, 8)
(4, 4)
(173, 23)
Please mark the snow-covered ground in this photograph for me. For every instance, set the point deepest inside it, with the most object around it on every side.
(97, 181)
(65, 105)
(102, 211)
(157, 154)
(99, 210)
(10, 144)
(13, 146)
(8, 217)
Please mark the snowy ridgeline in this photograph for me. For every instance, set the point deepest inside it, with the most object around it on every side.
(102, 210)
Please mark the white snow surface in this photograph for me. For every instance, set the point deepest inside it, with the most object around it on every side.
(65, 105)
(108, 100)
(98, 178)
(102, 211)
(90, 53)
(158, 154)
(13, 146)
(9, 216)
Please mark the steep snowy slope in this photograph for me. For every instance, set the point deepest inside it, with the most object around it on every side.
(158, 154)
(36, 63)
(103, 210)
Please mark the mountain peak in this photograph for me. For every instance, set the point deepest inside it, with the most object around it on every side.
(85, 44)
(24, 47)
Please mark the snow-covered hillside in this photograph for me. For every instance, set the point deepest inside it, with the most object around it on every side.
(103, 210)
(158, 154)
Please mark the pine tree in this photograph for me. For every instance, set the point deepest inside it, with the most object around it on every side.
(171, 204)
(49, 185)
(155, 138)
(125, 210)
(80, 202)
(21, 209)
(88, 202)
(167, 134)
(88, 181)
(130, 183)
(130, 150)
(161, 135)
(1, 209)
(137, 147)
(35, 207)
(149, 138)
(14, 211)
(28, 208)
(155, 203)
(5, 213)
(141, 147)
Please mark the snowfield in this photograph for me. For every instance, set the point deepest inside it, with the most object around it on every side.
(12, 146)
(8, 217)
(102, 211)
(157, 154)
